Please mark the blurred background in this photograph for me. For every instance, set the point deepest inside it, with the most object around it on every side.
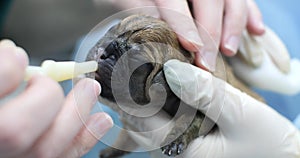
(50, 28)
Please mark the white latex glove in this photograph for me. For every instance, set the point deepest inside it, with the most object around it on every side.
(254, 48)
(247, 128)
(267, 56)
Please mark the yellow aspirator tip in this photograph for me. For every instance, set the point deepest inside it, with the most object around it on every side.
(60, 71)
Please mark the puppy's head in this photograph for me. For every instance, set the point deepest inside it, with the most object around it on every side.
(136, 48)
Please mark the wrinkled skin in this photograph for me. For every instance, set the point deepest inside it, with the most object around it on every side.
(144, 39)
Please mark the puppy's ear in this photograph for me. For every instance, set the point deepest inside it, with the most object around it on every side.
(172, 101)
(137, 84)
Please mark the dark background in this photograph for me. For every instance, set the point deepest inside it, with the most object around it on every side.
(50, 28)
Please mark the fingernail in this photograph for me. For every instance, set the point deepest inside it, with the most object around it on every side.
(261, 25)
(194, 38)
(100, 125)
(91, 89)
(208, 60)
(21, 56)
(7, 43)
(20, 53)
(232, 44)
(97, 87)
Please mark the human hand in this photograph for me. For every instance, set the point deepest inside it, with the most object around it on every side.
(41, 122)
(223, 20)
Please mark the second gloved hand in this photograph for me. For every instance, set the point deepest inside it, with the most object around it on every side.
(245, 126)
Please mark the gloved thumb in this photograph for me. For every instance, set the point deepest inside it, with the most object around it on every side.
(196, 87)
(218, 100)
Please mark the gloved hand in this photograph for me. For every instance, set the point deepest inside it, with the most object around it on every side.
(245, 126)
(253, 49)
(267, 56)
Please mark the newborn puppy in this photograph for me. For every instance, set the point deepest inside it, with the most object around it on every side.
(131, 57)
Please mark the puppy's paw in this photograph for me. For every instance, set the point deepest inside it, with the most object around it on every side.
(175, 148)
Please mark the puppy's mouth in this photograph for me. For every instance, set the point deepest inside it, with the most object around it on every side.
(104, 72)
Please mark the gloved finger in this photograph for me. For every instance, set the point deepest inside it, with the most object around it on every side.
(209, 18)
(195, 86)
(178, 16)
(69, 120)
(97, 125)
(276, 49)
(255, 23)
(235, 17)
(267, 76)
(13, 61)
(251, 50)
(249, 47)
(218, 100)
(24, 118)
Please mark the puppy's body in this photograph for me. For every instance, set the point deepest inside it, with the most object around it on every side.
(136, 49)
